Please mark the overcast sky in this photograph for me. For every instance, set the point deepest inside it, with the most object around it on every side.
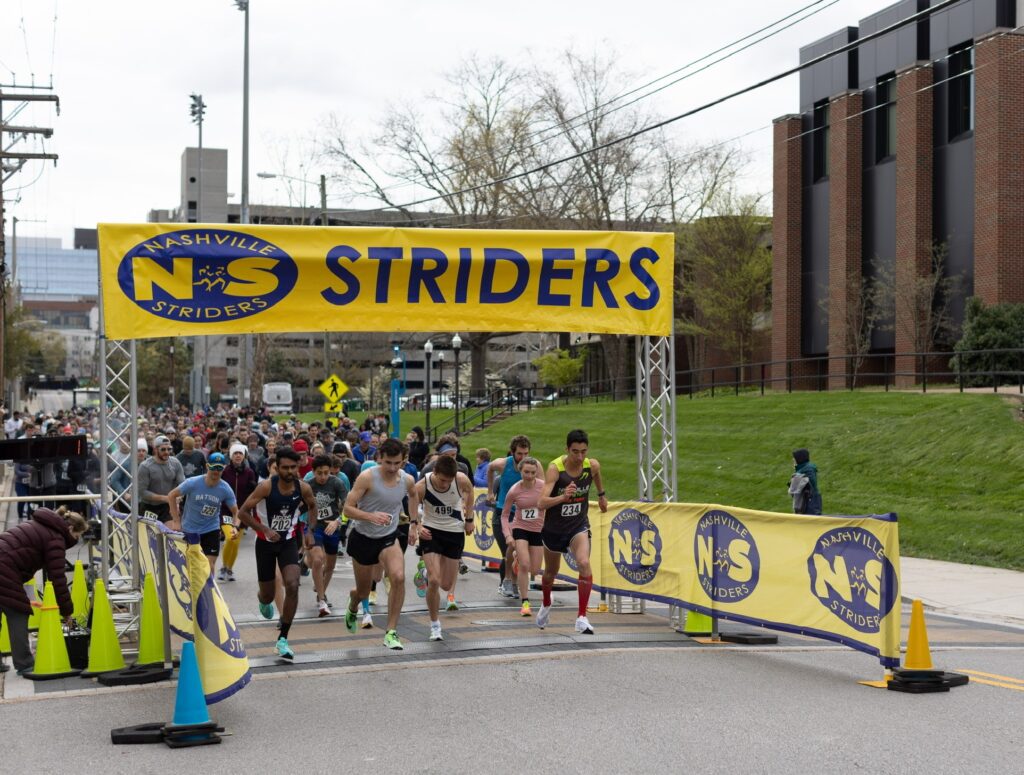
(124, 71)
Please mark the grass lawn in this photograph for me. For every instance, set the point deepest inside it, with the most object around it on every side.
(949, 465)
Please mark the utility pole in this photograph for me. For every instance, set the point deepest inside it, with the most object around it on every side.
(10, 163)
(323, 200)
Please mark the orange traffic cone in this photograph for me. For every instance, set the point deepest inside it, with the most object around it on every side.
(919, 656)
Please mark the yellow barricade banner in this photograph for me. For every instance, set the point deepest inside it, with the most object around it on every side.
(197, 610)
(829, 577)
(160, 280)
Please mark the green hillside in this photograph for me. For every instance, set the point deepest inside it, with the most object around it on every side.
(950, 465)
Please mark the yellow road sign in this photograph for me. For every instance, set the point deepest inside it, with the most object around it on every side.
(333, 388)
(330, 408)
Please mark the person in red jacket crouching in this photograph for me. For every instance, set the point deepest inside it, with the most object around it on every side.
(25, 549)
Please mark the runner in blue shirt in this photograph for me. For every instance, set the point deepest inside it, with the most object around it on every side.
(204, 495)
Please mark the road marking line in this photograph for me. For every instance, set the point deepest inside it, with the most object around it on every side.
(997, 683)
(992, 675)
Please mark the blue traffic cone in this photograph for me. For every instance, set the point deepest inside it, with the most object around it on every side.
(192, 724)
(190, 702)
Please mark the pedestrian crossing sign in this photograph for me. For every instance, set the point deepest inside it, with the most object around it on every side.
(333, 388)
(334, 408)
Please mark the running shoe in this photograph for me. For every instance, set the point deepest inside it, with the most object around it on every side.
(387, 585)
(284, 650)
(350, 619)
(508, 589)
(230, 574)
(267, 610)
(392, 642)
(435, 632)
(583, 626)
(322, 608)
(463, 568)
(543, 615)
(303, 568)
(452, 605)
(222, 574)
(367, 621)
(373, 597)
(525, 610)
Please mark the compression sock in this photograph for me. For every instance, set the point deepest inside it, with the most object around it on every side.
(366, 605)
(285, 627)
(231, 552)
(586, 583)
(545, 587)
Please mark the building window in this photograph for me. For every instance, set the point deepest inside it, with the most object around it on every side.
(231, 341)
(885, 117)
(231, 361)
(821, 138)
(961, 90)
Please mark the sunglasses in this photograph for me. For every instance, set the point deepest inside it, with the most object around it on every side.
(216, 467)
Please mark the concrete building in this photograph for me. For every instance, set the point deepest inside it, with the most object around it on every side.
(906, 147)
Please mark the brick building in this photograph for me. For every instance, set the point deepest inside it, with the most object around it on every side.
(907, 142)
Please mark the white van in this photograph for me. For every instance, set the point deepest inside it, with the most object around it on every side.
(278, 397)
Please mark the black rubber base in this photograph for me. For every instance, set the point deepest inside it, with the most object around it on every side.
(50, 676)
(925, 681)
(916, 688)
(135, 675)
(190, 735)
(153, 732)
(749, 638)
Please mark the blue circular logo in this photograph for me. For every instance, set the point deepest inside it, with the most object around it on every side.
(851, 576)
(728, 563)
(634, 545)
(214, 619)
(204, 275)
(482, 531)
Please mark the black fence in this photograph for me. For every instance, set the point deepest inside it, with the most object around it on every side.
(906, 371)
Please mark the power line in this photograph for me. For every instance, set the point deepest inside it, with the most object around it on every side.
(593, 113)
(693, 111)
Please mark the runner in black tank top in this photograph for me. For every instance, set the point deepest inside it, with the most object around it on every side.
(283, 497)
(568, 484)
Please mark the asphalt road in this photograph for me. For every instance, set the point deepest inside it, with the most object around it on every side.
(796, 707)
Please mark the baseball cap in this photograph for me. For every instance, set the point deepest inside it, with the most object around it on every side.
(161, 441)
(365, 436)
(300, 446)
(446, 448)
(216, 462)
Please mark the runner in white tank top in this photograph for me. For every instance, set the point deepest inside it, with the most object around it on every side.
(447, 497)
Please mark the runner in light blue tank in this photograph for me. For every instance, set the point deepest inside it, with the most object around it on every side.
(501, 475)
(374, 506)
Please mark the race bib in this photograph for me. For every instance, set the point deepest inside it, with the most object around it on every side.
(82, 488)
(528, 514)
(571, 509)
(281, 523)
(209, 511)
(323, 513)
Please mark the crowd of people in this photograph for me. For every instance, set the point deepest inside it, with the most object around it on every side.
(312, 492)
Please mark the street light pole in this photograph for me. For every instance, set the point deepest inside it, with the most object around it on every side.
(243, 6)
(456, 346)
(428, 351)
(198, 110)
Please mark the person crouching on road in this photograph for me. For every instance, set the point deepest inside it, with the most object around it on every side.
(25, 549)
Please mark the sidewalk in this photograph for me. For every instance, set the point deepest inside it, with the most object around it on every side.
(969, 591)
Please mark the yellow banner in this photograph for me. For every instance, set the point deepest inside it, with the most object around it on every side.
(197, 610)
(161, 280)
(835, 578)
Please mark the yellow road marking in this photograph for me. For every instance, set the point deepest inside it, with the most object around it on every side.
(992, 675)
(997, 683)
